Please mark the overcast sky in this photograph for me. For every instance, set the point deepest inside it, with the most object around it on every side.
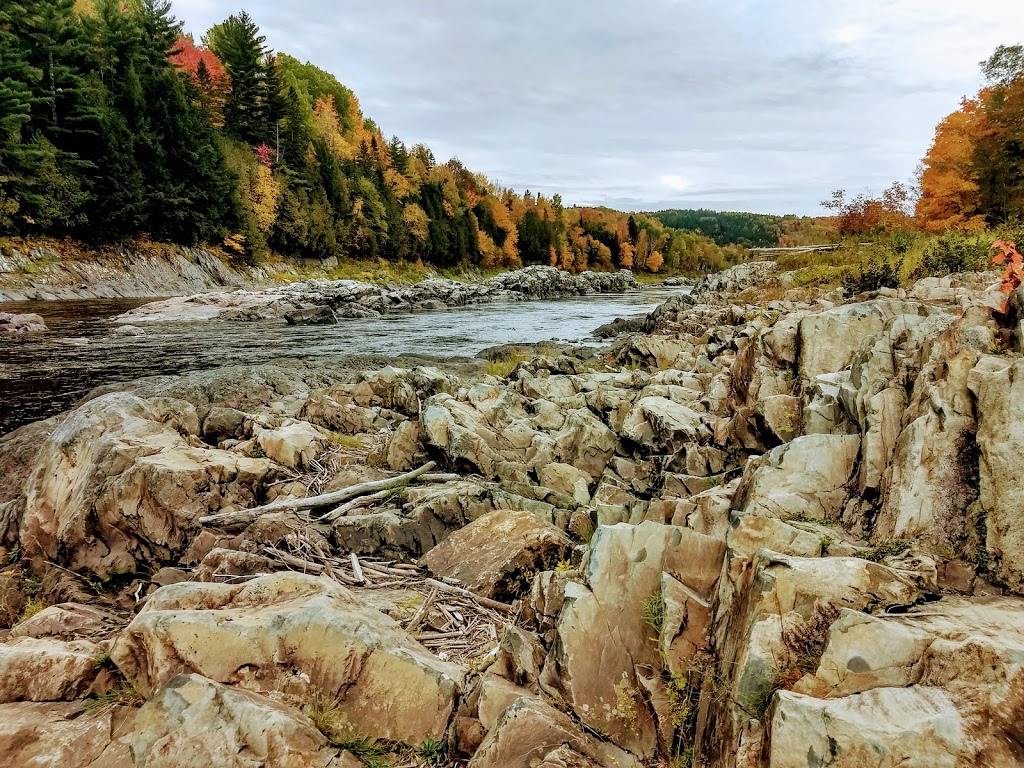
(755, 105)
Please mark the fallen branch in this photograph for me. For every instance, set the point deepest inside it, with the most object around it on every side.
(356, 569)
(485, 601)
(421, 612)
(351, 506)
(246, 516)
(441, 477)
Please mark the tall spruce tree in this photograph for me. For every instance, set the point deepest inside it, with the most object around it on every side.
(16, 101)
(242, 50)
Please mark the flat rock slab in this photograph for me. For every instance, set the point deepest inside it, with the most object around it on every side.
(495, 555)
(64, 735)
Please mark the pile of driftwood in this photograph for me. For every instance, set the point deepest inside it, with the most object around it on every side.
(448, 619)
(451, 621)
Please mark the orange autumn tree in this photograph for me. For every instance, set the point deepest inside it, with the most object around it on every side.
(206, 72)
(950, 195)
(974, 171)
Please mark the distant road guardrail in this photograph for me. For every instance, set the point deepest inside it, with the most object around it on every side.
(796, 249)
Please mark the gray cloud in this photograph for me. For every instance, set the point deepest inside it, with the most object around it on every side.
(645, 104)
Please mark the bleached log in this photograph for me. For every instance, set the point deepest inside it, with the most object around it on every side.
(246, 516)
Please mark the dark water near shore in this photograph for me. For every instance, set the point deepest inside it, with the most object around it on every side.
(44, 374)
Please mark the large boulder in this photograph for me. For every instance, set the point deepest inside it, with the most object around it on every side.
(930, 478)
(464, 435)
(47, 670)
(887, 728)
(64, 734)
(585, 442)
(498, 554)
(605, 657)
(998, 385)
(529, 733)
(829, 341)
(809, 477)
(295, 444)
(289, 631)
(773, 614)
(20, 324)
(664, 425)
(115, 489)
(193, 722)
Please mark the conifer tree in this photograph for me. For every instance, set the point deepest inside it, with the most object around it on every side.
(240, 46)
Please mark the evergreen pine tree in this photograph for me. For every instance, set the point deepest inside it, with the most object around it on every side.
(242, 49)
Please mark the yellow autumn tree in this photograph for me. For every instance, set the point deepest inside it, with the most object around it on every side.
(265, 194)
(328, 126)
(417, 221)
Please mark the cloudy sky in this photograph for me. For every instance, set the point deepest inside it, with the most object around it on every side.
(760, 105)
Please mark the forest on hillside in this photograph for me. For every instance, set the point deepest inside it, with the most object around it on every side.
(115, 125)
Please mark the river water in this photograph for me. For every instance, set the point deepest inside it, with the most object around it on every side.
(44, 374)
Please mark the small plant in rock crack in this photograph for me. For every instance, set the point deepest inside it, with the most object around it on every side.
(124, 694)
(654, 612)
(889, 549)
(806, 639)
(432, 752)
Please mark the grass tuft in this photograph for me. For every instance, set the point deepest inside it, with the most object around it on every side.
(892, 548)
(501, 367)
(654, 612)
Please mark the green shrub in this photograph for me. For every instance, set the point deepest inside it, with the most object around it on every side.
(877, 273)
(821, 275)
(953, 253)
(902, 241)
(654, 612)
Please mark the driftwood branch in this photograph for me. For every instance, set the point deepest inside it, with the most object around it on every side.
(485, 601)
(350, 506)
(246, 516)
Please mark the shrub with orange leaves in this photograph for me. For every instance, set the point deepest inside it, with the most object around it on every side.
(1013, 274)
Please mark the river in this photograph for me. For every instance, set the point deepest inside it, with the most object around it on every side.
(44, 374)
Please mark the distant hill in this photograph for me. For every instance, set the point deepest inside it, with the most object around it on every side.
(751, 230)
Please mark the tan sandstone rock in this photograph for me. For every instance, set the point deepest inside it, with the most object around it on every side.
(497, 555)
(114, 488)
(605, 655)
(47, 670)
(193, 722)
(288, 631)
(294, 444)
(998, 385)
(36, 735)
(883, 728)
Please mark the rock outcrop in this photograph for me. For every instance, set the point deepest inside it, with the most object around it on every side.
(327, 301)
(298, 634)
(753, 533)
(21, 324)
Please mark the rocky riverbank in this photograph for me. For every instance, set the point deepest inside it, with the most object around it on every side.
(40, 273)
(759, 533)
(327, 301)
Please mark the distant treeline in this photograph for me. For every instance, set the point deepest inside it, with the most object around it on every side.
(749, 230)
(115, 125)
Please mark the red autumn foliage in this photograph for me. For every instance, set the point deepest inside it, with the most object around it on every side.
(185, 55)
(867, 215)
(264, 155)
(1013, 275)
